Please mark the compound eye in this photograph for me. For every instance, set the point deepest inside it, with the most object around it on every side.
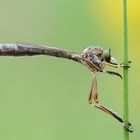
(107, 55)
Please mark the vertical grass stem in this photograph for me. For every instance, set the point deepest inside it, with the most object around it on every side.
(125, 70)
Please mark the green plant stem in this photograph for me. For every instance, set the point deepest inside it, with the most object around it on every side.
(125, 70)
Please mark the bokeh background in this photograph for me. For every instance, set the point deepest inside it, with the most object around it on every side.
(45, 98)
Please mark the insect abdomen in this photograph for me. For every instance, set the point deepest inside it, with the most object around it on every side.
(17, 50)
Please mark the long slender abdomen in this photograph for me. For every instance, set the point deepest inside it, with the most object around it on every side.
(17, 50)
(27, 49)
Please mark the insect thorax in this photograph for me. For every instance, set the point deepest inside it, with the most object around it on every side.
(94, 55)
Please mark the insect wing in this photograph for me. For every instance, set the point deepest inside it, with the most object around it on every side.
(92, 65)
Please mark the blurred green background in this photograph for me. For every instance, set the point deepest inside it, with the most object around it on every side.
(45, 98)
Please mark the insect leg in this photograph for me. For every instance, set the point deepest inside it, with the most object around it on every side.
(94, 91)
(114, 65)
(128, 126)
(94, 95)
(114, 73)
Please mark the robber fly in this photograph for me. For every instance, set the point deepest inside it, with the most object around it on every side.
(95, 58)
